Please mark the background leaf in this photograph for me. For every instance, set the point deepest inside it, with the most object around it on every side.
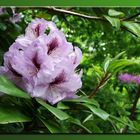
(115, 13)
(132, 27)
(115, 22)
(9, 114)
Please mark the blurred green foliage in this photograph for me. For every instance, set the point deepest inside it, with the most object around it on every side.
(100, 41)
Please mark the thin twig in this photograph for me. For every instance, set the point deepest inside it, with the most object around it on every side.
(74, 13)
(86, 16)
(131, 17)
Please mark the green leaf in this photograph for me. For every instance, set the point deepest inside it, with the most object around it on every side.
(9, 114)
(123, 122)
(98, 70)
(89, 117)
(9, 88)
(77, 122)
(84, 100)
(50, 127)
(115, 13)
(132, 27)
(115, 22)
(3, 27)
(108, 61)
(93, 126)
(97, 111)
(60, 105)
(106, 64)
(117, 65)
(55, 111)
(119, 55)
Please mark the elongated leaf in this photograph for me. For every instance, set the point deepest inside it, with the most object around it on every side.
(115, 22)
(97, 111)
(50, 127)
(109, 61)
(89, 117)
(77, 122)
(9, 114)
(9, 88)
(106, 64)
(84, 100)
(98, 70)
(123, 122)
(117, 65)
(132, 27)
(115, 13)
(57, 112)
(60, 105)
(119, 55)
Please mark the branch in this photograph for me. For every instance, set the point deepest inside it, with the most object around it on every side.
(131, 17)
(74, 13)
(133, 109)
(103, 80)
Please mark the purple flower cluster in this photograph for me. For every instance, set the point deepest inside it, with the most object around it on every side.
(129, 78)
(43, 64)
(16, 17)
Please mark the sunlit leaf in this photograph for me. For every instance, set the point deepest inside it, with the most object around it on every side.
(115, 22)
(89, 117)
(117, 65)
(115, 13)
(132, 27)
(97, 111)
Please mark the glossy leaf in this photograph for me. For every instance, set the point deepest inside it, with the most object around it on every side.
(97, 111)
(89, 117)
(9, 88)
(84, 100)
(115, 13)
(55, 111)
(117, 65)
(132, 27)
(115, 22)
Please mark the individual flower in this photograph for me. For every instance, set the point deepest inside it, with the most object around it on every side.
(43, 64)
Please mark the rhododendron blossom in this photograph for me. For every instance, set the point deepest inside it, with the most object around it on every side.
(43, 64)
